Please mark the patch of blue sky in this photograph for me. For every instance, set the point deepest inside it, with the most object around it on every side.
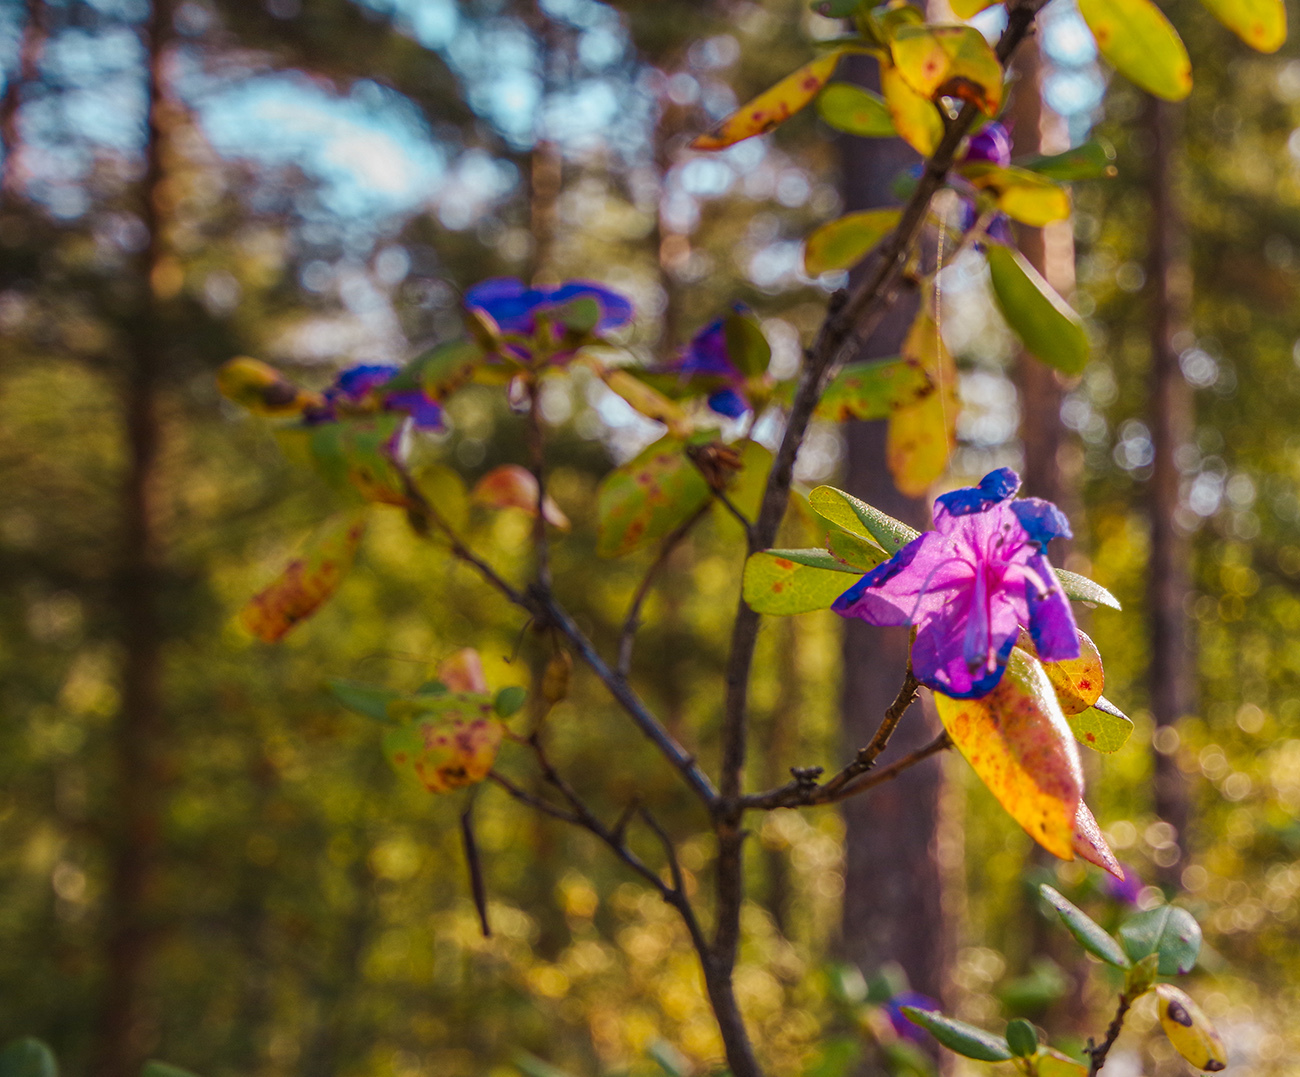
(433, 23)
(369, 150)
(584, 14)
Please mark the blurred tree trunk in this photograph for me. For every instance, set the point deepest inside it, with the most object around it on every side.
(26, 74)
(1170, 675)
(892, 894)
(139, 732)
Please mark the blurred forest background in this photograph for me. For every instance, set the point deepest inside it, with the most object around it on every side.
(204, 858)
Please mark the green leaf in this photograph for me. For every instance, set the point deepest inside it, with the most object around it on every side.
(843, 243)
(1168, 931)
(860, 554)
(154, 1068)
(509, 700)
(1094, 159)
(837, 1056)
(354, 452)
(1022, 1039)
(1050, 329)
(747, 347)
(859, 518)
(28, 1057)
(1102, 727)
(794, 581)
(960, 1037)
(647, 497)
(873, 390)
(1085, 929)
(1141, 44)
(532, 1066)
(1261, 24)
(1085, 590)
(445, 741)
(442, 369)
(855, 111)
(578, 316)
(364, 699)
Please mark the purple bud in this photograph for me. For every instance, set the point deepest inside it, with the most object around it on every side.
(990, 143)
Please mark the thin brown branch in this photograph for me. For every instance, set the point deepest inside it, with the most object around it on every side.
(537, 449)
(1098, 1054)
(632, 622)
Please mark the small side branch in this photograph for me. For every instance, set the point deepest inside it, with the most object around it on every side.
(1099, 1052)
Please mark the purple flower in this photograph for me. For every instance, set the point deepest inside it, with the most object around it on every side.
(706, 360)
(991, 143)
(970, 586)
(515, 309)
(904, 1028)
(362, 388)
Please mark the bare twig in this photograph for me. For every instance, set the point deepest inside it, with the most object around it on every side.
(475, 866)
(627, 638)
(1098, 1053)
(537, 448)
(739, 516)
(940, 743)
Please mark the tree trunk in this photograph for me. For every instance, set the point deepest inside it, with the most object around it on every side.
(1170, 676)
(140, 729)
(29, 55)
(892, 893)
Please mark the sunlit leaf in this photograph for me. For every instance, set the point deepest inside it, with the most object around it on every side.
(795, 581)
(648, 401)
(1167, 931)
(967, 9)
(445, 741)
(513, 487)
(958, 1036)
(1089, 934)
(1017, 741)
(873, 390)
(28, 1057)
(365, 699)
(854, 551)
(1052, 1063)
(262, 389)
(856, 516)
(1085, 590)
(463, 672)
(1094, 159)
(1141, 44)
(1036, 313)
(1261, 24)
(1078, 681)
(921, 435)
(647, 497)
(1103, 727)
(1189, 1030)
(1090, 843)
(1022, 195)
(773, 106)
(949, 61)
(916, 118)
(855, 111)
(310, 578)
(843, 243)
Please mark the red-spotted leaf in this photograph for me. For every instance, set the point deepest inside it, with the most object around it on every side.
(444, 741)
(916, 118)
(843, 243)
(1141, 44)
(647, 497)
(262, 389)
(874, 390)
(855, 111)
(1080, 681)
(513, 487)
(921, 435)
(1261, 24)
(463, 672)
(1045, 322)
(949, 61)
(774, 106)
(1103, 727)
(310, 578)
(1019, 744)
(795, 581)
(1090, 843)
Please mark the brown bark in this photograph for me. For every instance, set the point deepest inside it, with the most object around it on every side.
(29, 55)
(1170, 675)
(122, 1035)
(892, 892)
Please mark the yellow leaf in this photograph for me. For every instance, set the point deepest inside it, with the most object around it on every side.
(1080, 681)
(921, 434)
(773, 106)
(1090, 843)
(648, 401)
(1189, 1030)
(307, 581)
(445, 741)
(916, 118)
(1261, 24)
(262, 389)
(1018, 742)
(1022, 195)
(1141, 44)
(949, 61)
